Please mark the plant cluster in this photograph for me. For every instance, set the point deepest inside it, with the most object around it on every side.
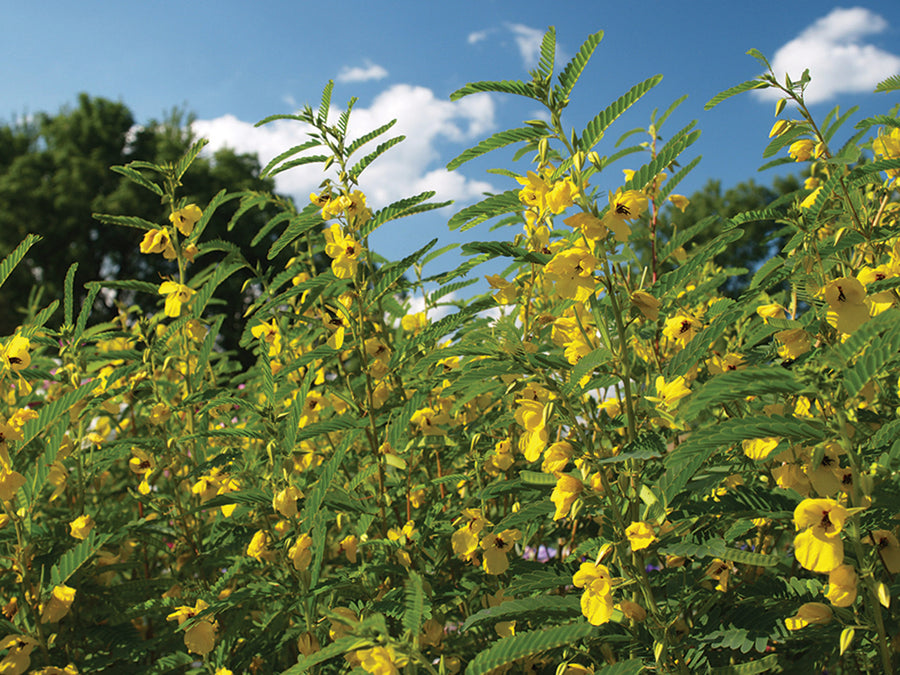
(602, 465)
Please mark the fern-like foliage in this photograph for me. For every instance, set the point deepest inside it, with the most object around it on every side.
(573, 69)
(595, 129)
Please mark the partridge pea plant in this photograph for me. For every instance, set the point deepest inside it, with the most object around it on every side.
(600, 465)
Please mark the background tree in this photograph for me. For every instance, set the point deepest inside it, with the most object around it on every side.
(761, 238)
(55, 172)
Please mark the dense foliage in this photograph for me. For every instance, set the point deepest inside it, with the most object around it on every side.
(601, 466)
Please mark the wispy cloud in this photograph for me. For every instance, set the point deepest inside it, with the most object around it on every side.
(528, 40)
(413, 166)
(835, 50)
(479, 35)
(365, 73)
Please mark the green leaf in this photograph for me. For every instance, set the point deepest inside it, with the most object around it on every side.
(329, 470)
(221, 273)
(734, 91)
(595, 129)
(70, 561)
(758, 55)
(362, 140)
(401, 209)
(504, 249)
(668, 154)
(737, 384)
(416, 609)
(298, 225)
(629, 667)
(361, 165)
(570, 74)
(682, 463)
(300, 161)
(499, 140)
(545, 608)
(763, 665)
(68, 294)
(519, 646)
(490, 207)
(313, 143)
(137, 177)
(336, 648)
(499, 86)
(537, 478)
(126, 221)
(50, 411)
(187, 159)
(9, 262)
(386, 276)
(325, 103)
(890, 84)
(548, 53)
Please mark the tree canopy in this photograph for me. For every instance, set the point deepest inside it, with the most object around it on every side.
(55, 173)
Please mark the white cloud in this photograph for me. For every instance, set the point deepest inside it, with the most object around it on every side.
(370, 71)
(478, 36)
(834, 50)
(406, 169)
(528, 40)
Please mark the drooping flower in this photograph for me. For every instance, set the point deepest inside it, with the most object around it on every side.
(794, 343)
(887, 146)
(176, 296)
(680, 201)
(589, 225)
(270, 334)
(530, 416)
(640, 534)
(61, 599)
(759, 448)
(802, 150)
(81, 526)
(596, 601)
(10, 482)
(887, 547)
(379, 660)
(646, 304)
(809, 613)
(14, 355)
(158, 241)
(300, 554)
(842, 586)
(258, 547)
(846, 301)
(668, 394)
(496, 547)
(200, 638)
(624, 206)
(285, 501)
(564, 494)
(556, 457)
(818, 546)
(185, 219)
(344, 252)
(465, 540)
(572, 272)
(18, 658)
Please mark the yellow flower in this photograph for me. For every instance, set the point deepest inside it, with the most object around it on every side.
(349, 546)
(176, 296)
(530, 416)
(200, 638)
(506, 291)
(802, 150)
(158, 241)
(380, 660)
(18, 658)
(572, 272)
(300, 554)
(759, 448)
(10, 482)
(809, 613)
(15, 355)
(564, 494)
(887, 547)
(589, 224)
(670, 393)
(772, 311)
(185, 219)
(810, 199)
(624, 206)
(258, 546)
(285, 502)
(465, 540)
(646, 304)
(819, 547)
(794, 343)
(887, 146)
(495, 547)
(640, 534)
(846, 301)
(344, 252)
(596, 601)
(270, 334)
(556, 457)
(414, 323)
(841, 586)
(680, 201)
(81, 526)
(681, 328)
(58, 605)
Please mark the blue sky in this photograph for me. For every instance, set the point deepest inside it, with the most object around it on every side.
(233, 63)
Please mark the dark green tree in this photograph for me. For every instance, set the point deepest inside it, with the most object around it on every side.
(55, 172)
(761, 237)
